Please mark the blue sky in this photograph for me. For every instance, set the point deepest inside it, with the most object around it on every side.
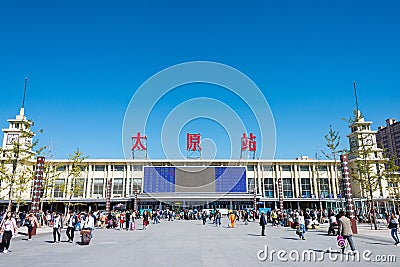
(86, 59)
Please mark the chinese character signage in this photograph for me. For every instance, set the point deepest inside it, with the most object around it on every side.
(139, 148)
(248, 146)
(193, 147)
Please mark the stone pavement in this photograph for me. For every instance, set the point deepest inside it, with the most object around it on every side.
(189, 243)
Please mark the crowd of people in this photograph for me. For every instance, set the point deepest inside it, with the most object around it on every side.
(302, 221)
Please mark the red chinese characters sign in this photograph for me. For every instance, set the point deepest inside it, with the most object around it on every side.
(193, 147)
(139, 142)
(139, 147)
(193, 142)
(249, 143)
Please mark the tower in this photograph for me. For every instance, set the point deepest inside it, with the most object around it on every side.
(18, 132)
(364, 151)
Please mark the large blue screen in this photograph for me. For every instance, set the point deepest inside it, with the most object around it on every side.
(215, 179)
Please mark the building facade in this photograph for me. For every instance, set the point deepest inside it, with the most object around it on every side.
(388, 138)
(303, 182)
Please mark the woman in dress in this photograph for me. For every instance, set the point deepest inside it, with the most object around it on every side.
(7, 228)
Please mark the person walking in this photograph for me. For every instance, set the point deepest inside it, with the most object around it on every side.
(218, 218)
(127, 220)
(204, 217)
(345, 230)
(145, 220)
(89, 223)
(302, 225)
(393, 226)
(8, 226)
(263, 223)
(71, 222)
(57, 225)
(246, 217)
(32, 223)
(232, 219)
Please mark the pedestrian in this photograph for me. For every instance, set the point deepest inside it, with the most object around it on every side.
(345, 230)
(32, 223)
(246, 217)
(57, 225)
(204, 217)
(263, 223)
(22, 217)
(71, 222)
(89, 223)
(121, 220)
(218, 218)
(232, 219)
(127, 220)
(301, 225)
(8, 226)
(332, 224)
(394, 225)
(145, 220)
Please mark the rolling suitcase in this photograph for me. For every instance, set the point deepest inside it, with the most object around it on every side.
(85, 237)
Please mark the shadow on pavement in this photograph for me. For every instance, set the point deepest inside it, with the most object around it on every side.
(253, 234)
(290, 238)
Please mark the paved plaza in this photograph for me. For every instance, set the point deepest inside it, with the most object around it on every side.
(189, 243)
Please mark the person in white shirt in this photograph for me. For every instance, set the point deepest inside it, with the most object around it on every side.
(89, 223)
(302, 224)
(8, 226)
(71, 226)
(57, 225)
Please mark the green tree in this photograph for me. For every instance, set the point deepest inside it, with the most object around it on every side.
(332, 141)
(74, 185)
(392, 175)
(50, 175)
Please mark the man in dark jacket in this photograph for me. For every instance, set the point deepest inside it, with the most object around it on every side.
(263, 223)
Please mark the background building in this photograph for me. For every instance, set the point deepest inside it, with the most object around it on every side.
(388, 138)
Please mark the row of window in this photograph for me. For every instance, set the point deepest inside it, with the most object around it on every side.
(98, 187)
(288, 188)
(288, 168)
(103, 168)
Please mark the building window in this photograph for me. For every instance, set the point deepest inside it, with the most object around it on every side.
(137, 168)
(118, 187)
(135, 185)
(251, 184)
(79, 187)
(119, 168)
(268, 168)
(61, 168)
(286, 168)
(322, 168)
(287, 187)
(59, 188)
(98, 187)
(304, 168)
(324, 187)
(250, 167)
(305, 187)
(99, 168)
(268, 187)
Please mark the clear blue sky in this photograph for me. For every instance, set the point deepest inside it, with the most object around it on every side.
(85, 59)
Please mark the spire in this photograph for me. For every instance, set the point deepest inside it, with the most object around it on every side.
(357, 112)
(22, 111)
